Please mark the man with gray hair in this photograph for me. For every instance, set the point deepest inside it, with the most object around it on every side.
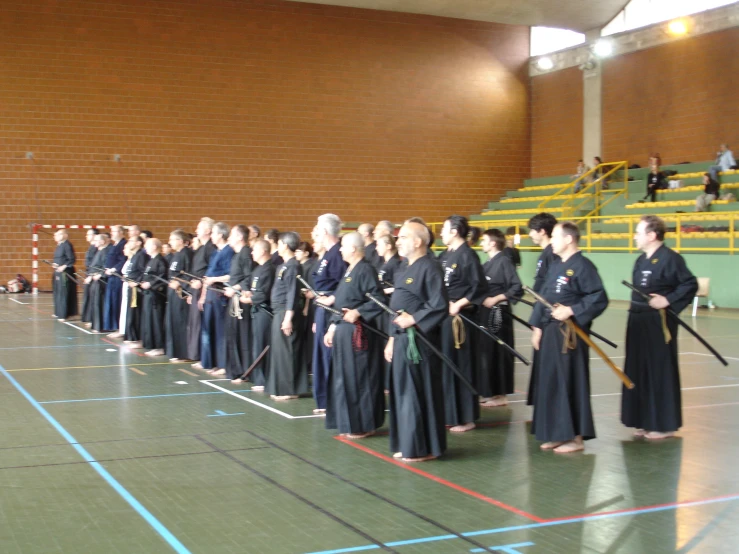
(114, 291)
(356, 400)
(288, 377)
(65, 286)
(330, 270)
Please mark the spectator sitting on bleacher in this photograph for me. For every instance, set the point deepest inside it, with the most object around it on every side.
(581, 170)
(724, 161)
(710, 193)
(656, 180)
(598, 174)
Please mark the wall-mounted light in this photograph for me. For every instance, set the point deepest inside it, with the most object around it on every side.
(678, 27)
(603, 48)
(545, 63)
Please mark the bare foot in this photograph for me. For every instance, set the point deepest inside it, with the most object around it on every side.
(286, 397)
(656, 435)
(136, 345)
(62, 320)
(218, 371)
(197, 365)
(423, 459)
(115, 335)
(550, 445)
(359, 436)
(570, 446)
(257, 388)
(156, 352)
(398, 455)
(640, 433)
(319, 411)
(495, 402)
(463, 428)
(237, 381)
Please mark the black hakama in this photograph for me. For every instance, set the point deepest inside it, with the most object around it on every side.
(154, 304)
(495, 376)
(176, 325)
(287, 375)
(546, 258)
(355, 396)
(562, 408)
(262, 279)
(238, 318)
(135, 305)
(97, 304)
(65, 294)
(416, 399)
(200, 261)
(654, 404)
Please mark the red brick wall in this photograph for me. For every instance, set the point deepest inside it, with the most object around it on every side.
(253, 111)
(556, 122)
(678, 99)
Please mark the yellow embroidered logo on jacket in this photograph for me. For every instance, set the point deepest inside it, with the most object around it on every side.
(655, 260)
(348, 280)
(570, 272)
(409, 280)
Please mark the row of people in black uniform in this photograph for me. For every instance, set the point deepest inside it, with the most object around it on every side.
(430, 293)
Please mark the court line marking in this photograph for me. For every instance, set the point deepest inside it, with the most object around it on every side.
(440, 480)
(190, 373)
(19, 302)
(79, 328)
(137, 370)
(270, 408)
(711, 355)
(82, 367)
(123, 347)
(163, 532)
(545, 523)
(131, 398)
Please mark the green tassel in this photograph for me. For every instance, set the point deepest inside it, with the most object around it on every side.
(412, 352)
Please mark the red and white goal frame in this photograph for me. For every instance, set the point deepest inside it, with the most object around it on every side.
(35, 227)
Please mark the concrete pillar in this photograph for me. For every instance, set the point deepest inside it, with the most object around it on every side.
(592, 143)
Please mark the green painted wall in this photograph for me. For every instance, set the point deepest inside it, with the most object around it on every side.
(722, 269)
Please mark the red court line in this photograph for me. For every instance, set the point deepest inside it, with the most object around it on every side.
(441, 481)
(121, 347)
(641, 508)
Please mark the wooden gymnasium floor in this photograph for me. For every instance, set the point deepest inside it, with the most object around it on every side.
(104, 450)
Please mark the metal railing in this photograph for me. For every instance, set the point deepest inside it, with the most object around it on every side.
(679, 239)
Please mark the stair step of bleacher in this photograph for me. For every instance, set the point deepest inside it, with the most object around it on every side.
(721, 216)
(540, 198)
(521, 211)
(696, 188)
(683, 235)
(543, 187)
(671, 204)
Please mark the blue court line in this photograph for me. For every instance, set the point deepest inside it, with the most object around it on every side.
(133, 397)
(43, 347)
(591, 517)
(117, 487)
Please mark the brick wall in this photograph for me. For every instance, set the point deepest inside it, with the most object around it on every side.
(250, 111)
(679, 99)
(556, 122)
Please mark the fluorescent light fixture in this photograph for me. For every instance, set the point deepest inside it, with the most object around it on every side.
(678, 27)
(603, 48)
(545, 63)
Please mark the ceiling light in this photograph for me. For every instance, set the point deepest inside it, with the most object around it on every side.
(545, 63)
(603, 48)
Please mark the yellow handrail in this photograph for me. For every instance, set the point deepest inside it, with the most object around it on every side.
(599, 192)
(569, 185)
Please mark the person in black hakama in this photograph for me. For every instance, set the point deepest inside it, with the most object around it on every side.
(540, 231)
(391, 261)
(286, 379)
(97, 282)
(65, 284)
(654, 405)
(355, 396)
(326, 278)
(416, 401)
(257, 298)
(238, 320)
(113, 291)
(563, 417)
(135, 301)
(200, 260)
(496, 365)
(154, 286)
(465, 284)
(91, 237)
(308, 264)
(177, 308)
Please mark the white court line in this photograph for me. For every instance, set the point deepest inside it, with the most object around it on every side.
(80, 328)
(709, 355)
(618, 393)
(270, 408)
(19, 302)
